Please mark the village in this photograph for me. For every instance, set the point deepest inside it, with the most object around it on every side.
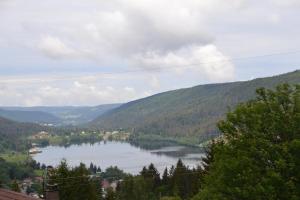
(44, 138)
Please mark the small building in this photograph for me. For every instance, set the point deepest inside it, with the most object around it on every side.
(34, 151)
(105, 184)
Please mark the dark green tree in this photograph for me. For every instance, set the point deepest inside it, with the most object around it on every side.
(110, 194)
(75, 183)
(15, 186)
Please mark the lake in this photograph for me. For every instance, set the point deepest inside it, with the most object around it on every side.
(127, 157)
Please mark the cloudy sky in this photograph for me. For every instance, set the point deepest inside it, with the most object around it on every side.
(90, 52)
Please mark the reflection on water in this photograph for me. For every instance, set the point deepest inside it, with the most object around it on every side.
(124, 155)
(180, 152)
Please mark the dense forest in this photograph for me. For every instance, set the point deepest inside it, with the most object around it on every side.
(187, 115)
(257, 157)
(13, 134)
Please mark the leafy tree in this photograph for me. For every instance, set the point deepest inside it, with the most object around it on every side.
(258, 156)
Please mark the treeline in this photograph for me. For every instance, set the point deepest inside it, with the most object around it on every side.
(179, 181)
(86, 183)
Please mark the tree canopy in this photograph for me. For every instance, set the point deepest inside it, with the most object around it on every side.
(258, 156)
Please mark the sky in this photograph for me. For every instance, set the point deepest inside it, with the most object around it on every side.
(92, 52)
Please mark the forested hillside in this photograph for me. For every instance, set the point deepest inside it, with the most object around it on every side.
(191, 112)
(12, 134)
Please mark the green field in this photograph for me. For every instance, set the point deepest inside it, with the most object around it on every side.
(15, 157)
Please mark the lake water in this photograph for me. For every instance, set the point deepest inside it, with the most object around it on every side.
(127, 157)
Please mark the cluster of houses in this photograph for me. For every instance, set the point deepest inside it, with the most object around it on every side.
(115, 135)
(40, 135)
(27, 183)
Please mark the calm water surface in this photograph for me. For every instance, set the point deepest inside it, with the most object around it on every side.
(129, 158)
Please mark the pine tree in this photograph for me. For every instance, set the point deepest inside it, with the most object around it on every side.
(165, 177)
(209, 157)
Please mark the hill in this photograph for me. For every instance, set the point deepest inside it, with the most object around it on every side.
(186, 114)
(63, 115)
(12, 134)
(29, 116)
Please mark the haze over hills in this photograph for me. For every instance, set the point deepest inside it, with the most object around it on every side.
(58, 115)
(29, 116)
(191, 113)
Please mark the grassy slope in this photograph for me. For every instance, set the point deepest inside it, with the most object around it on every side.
(191, 112)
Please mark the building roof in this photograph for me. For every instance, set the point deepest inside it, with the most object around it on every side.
(10, 195)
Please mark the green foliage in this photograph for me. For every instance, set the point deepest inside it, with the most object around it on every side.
(113, 173)
(170, 198)
(15, 186)
(189, 115)
(258, 156)
(10, 171)
(110, 194)
(75, 183)
(35, 187)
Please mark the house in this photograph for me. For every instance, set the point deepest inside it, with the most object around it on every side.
(11, 195)
(106, 185)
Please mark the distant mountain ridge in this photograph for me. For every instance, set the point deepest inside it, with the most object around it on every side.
(29, 116)
(191, 112)
(58, 115)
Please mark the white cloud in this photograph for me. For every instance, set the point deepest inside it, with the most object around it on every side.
(207, 60)
(55, 48)
(286, 3)
(190, 40)
(274, 18)
(78, 93)
(154, 82)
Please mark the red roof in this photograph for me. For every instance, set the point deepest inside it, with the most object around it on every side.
(105, 184)
(10, 195)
